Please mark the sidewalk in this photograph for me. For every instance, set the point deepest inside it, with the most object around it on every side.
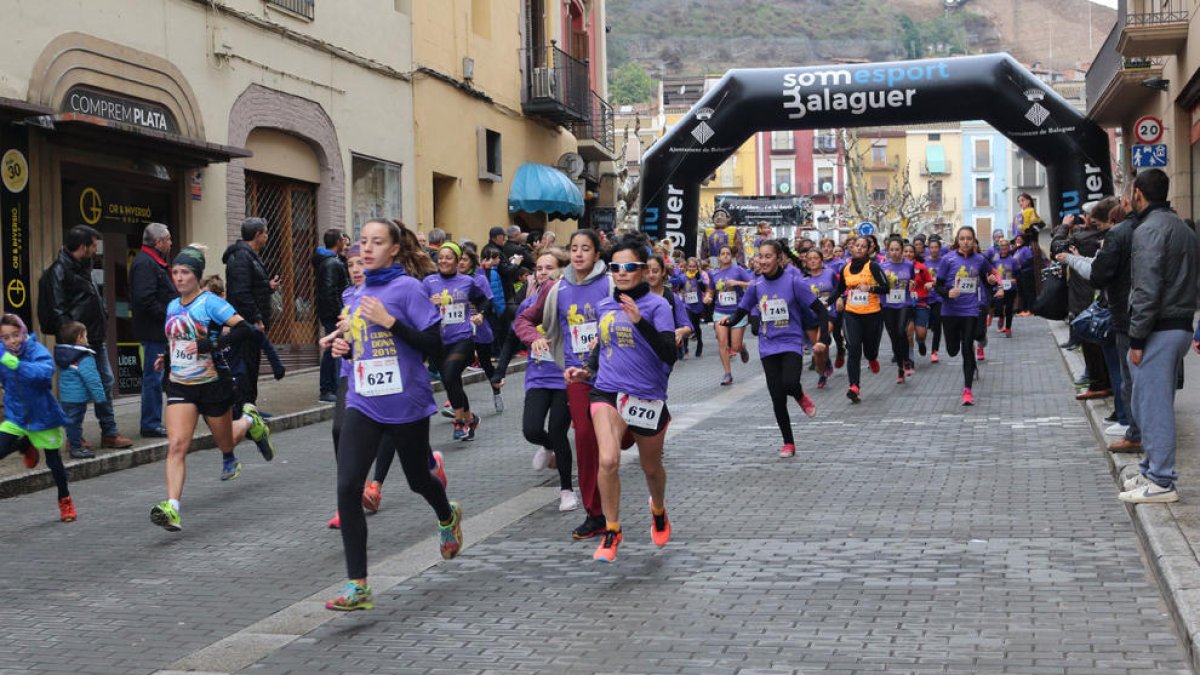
(292, 401)
(1169, 533)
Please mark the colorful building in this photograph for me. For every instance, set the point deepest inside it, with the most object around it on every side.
(988, 202)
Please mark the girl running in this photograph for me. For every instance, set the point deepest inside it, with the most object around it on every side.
(822, 282)
(919, 325)
(457, 296)
(1005, 265)
(960, 275)
(33, 418)
(900, 274)
(729, 283)
(567, 312)
(859, 286)
(694, 285)
(656, 277)
(784, 301)
(482, 319)
(933, 257)
(200, 382)
(631, 362)
(388, 328)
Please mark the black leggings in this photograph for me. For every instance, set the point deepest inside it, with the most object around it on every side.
(1027, 287)
(863, 333)
(383, 461)
(838, 336)
(783, 382)
(456, 359)
(553, 402)
(483, 352)
(512, 345)
(960, 336)
(895, 320)
(695, 319)
(935, 324)
(10, 444)
(1004, 309)
(358, 447)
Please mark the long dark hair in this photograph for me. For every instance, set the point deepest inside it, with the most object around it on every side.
(412, 256)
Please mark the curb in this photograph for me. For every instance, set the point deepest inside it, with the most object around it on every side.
(40, 478)
(1171, 557)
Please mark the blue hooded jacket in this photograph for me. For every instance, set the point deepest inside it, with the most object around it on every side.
(78, 378)
(28, 396)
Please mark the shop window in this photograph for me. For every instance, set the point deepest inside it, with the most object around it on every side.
(375, 190)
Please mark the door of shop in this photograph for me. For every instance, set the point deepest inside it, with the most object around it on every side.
(290, 208)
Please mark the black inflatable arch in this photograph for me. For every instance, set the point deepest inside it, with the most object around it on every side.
(992, 87)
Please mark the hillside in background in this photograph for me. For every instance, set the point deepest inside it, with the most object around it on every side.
(691, 37)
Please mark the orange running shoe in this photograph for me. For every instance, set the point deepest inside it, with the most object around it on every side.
(335, 523)
(372, 496)
(66, 510)
(660, 528)
(607, 551)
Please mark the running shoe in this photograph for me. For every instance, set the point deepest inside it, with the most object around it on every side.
(372, 497)
(821, 381)
(498, 402)
(1007, 332)
(807, 405)
(354, 596)
(448, 410)
(1116, 429)
(788, 450)
(1150, 493)
(592, 526)
(841, 360)
(230, 467)
(967, 397)
(979, 355)
(451, 533)
(259, 432)
(567, 501)
(541, 459)
(471, 427)
(873, 364)
(30, 457)
(921, 348)
(607, 550)
(660, 527)
(727, 380)
(439, 468)
(989, 321)
(335, 523)
(853, 393)
(66, 510)
(900, 378)
(460, 430)
(933, 356)
(745, 354)
(165, 516)
(828, 370)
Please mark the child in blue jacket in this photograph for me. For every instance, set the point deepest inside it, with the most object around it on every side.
(78, 382)
(32, 416)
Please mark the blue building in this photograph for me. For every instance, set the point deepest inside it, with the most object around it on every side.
(986, 200)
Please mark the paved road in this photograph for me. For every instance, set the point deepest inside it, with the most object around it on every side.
(907, 535)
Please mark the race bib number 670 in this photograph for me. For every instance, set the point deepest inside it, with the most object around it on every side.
(638, 412)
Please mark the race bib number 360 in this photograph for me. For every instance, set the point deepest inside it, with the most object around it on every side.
(377, 377)
(638, 412)
(181, 355)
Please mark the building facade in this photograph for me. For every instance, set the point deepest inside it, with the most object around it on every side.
(986, 206)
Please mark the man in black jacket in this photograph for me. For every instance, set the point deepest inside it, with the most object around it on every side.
(332, 278)
(150, 291)
(67, 293)
(250, 292)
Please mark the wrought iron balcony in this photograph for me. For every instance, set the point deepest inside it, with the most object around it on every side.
(1154, 27)
(596, 133)
(556, 86)
(1114, 90)
(937, 170)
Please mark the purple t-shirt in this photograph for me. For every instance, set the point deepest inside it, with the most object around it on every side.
(836, 264)
(782, 303)
(932, 265)
(823, 284)
(579, 318)
(690, 291)
(969, 275)
(628, 364)
(1006, 267)
(1023, 257)
(721, 290)
(388, 379)
(453, 297)
(679, 312)
(898, 275)
(483, 332)
(349, 297)
(541, 373)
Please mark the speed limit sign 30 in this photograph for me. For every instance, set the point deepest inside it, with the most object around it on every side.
(1148, 130)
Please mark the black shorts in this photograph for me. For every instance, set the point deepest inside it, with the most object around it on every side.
(606, 398)
(212, 399)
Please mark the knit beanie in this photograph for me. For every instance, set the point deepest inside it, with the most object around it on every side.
(191, 257)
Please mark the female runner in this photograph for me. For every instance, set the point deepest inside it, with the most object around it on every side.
(656, 277)
(859, 286)
(729, 282)
(481, 320)
(631, 362)
(567, 313)
(784, 300)
(900, 274)
(694, 285)
(1006, 271)
(933, 257)
(960, 275)
(919, 322)
(822, 281)
(388, 329)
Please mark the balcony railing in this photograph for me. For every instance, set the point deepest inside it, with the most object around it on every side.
(941, 170)
(556, 86)
(598, 126)
(784, 145)
(304, 8)
(1157, 12)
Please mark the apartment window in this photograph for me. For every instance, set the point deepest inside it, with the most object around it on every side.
(481, 18)
(1029, 172)
(782, 140)
(488, 143)
(935, 137)
(935, 195)
(983, 192)
(878, 155)
(305, 9)
(375, 190)
(725, 174)
(983, 154)
(783, 182)
(825, 183)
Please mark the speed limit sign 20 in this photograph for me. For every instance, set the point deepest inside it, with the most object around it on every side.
(1148, 130)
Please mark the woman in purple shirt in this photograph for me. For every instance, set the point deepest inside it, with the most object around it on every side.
(1006, 271)
(481, 320)
(656, 276)
(784, 300)
(729, 282)
(897, 303)
(933, 256)
(631, 361)
(822, 281)
(388, 329)
(959, 280)
(693, 285)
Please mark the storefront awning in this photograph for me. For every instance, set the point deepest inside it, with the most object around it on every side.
(538, 188)
(15, 108)
(109, 136)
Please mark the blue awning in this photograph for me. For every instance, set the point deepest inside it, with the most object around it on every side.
(538, 188)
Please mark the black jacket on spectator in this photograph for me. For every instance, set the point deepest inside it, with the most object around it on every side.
(512, 248)
(1112, 272)
(150, 291)
(249, 290)
(1081, 292)
(332, 278)
(66, 292)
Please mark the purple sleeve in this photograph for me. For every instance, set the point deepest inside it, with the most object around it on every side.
(804, 294)
(482, 286)
(663, 319)
(986, 269)
(681, 317)
(749, 298)
(418, 311)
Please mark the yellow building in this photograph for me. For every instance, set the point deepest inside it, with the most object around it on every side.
(934, 154)
(498, 84)
(874, 162)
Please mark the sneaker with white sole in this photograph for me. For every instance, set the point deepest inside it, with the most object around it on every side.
(1117, 429)
(1135, 481)
(541, 459)
(567, 500)
(498, 402)
(1150, 493)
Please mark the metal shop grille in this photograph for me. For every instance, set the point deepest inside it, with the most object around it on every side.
(290, 209)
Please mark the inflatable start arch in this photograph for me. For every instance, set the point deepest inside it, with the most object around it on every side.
(993, 88)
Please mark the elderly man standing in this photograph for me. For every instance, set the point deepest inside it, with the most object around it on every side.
(250, 292)
(150, 291)
(1166, 268)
